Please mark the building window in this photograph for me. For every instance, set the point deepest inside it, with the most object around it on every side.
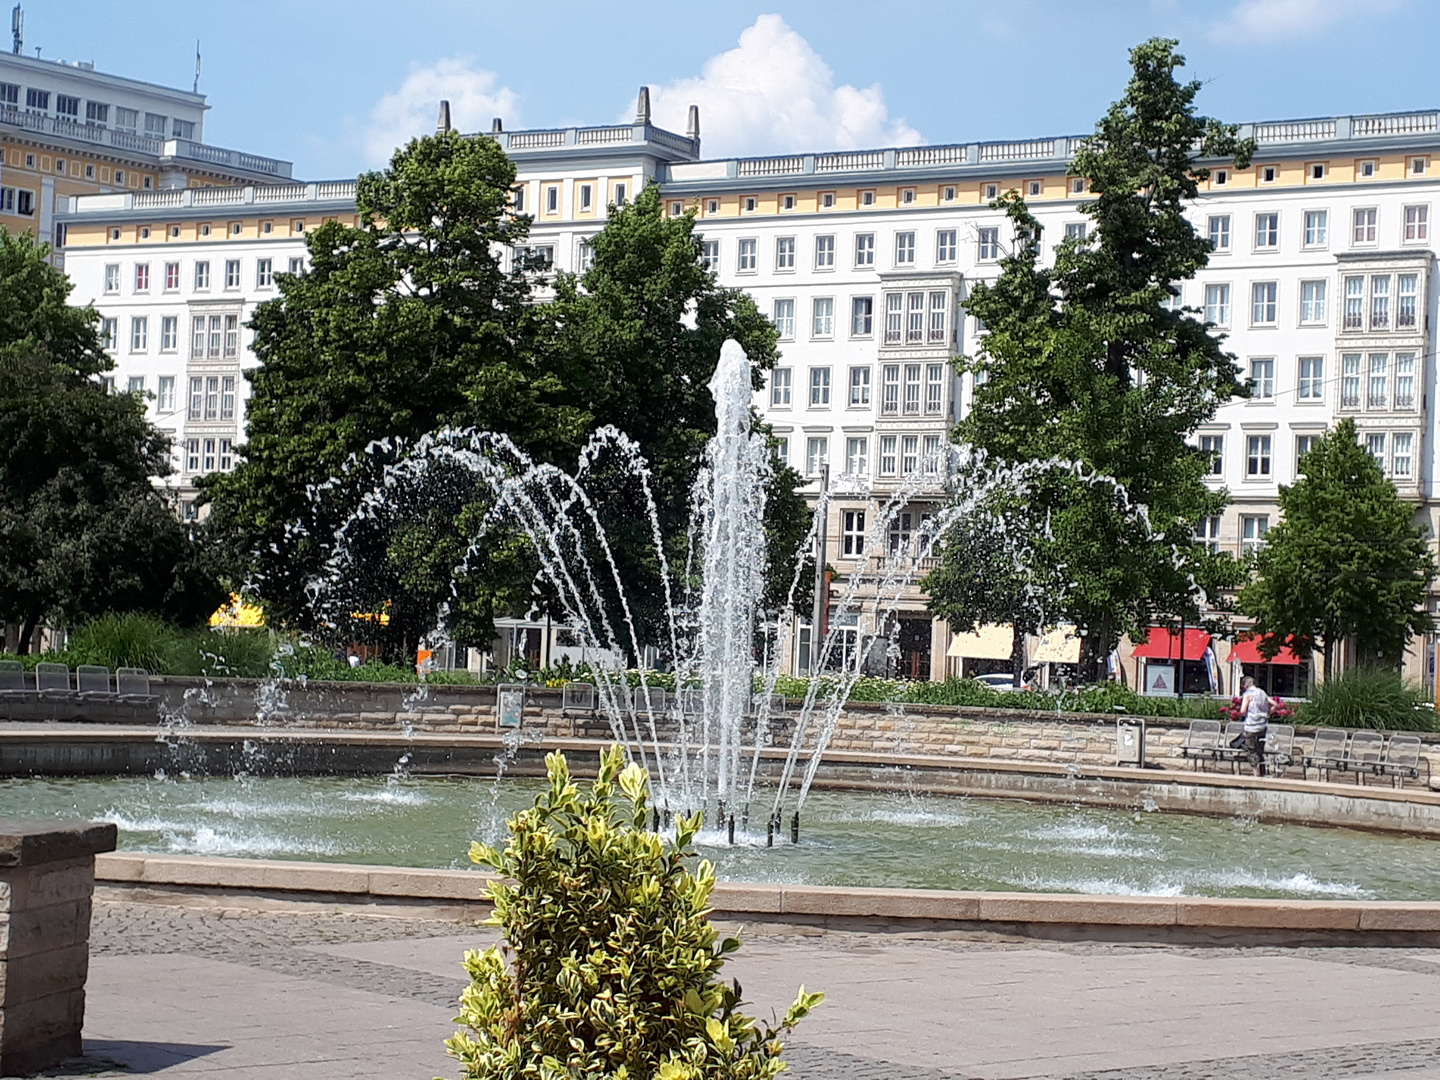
(1267, 231)
(264, 274)
(169, 333)
(108, 330)
(857, 456)
(907, 196)
(232, 273)
(1364, 231)
(819, 386)
(827, 199)
(859, 386)
(1252, 533)
(1263, 306)
(37, 99)
(990, 191)
(710, 255)
(139, 333)
(1312, 302)
(621, 190)
(909, 454)
(934, 389)
(911, 398)
(823, 317)
(1375, 444)
(172, 276)
(1402, 455)
(1354, 317)
(785, 253)
(1317, 170)
(890, 390)
(192, 463)
(1217, 304)
(1417, 223)
(905, 249)
(852, 532)
(1208, 534)
(945, 247)
(517, 199)
(202, 275)
(1404, 380)
(1312, 378)
(1219, 230)
(867, 198)
(865, 249)
(780, 387)
(1350, 381)
(165, 395)
(1075, 230)
(1417, 166)
(894, 318)
(112, 277)
(1257, 456)
(1317, 228)
(142, 277)
(135, 385)
(989, 246)
(1377, 394)
(915, 317)
(155, 125)
(552, 199)
(746, 260)
(227, 398)
(1380, 302)
(947, 193)
(1033, 188)
(862, 316)
(824, 253)
(1269, 174)
(939, 309)
(785, 318)
(1213, 447)
(1303, 445)
(9, 95)
(782, 449)
(817, 454)
(297, 264)
(889, 463)
(1262, 379)
(119, 177)
(1405, 308)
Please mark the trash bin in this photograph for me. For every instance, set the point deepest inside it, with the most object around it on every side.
(1130, 742)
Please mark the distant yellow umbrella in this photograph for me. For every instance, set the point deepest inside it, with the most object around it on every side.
(237, 614)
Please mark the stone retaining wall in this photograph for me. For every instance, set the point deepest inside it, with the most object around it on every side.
(873, 728)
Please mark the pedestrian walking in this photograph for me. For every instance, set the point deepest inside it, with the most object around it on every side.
(1256, 705)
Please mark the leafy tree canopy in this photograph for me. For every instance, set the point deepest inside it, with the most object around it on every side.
(1346, 560)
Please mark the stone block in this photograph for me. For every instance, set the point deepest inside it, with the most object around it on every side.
(28, 978)
(50, 883)
(880, 903)
(256, 874)
(28, 932)
(1400, 915)
(743, 897)
(1095, 910)
(25, 843)
(430, 884)
(1270, 914)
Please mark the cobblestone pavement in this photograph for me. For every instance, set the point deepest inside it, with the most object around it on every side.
(395, 965)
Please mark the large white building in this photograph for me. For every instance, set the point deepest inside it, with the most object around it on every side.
(1321, 279)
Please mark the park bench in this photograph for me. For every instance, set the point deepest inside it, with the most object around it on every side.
(1402, 759)
(12, 679)
(577, 698)
(52, 680)
(1327, 752)
(93, 681)
(651, 700)
(1367, 749)
(692, 700)
(133, 685)
(1202, 742)
(1279, 748)
(769, 704)
(1227, 751)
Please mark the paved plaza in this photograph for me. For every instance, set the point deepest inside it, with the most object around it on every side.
(320, 993)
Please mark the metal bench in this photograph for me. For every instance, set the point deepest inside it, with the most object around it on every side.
(1226, 750)
(576, 698)
(12, 679)
(692, 700)
(651, 700)
(1279, 748)
(1402, 759)
(1202, 741)
(133, 685)
(1367, 750)
(93, 681)
(769, 704)
(1327, 752)
(52, 680)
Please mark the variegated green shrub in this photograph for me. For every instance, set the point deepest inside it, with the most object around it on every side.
(611, 967)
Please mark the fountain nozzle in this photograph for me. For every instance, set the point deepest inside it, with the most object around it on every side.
(795, 828)
(770, 831)
(731, 830)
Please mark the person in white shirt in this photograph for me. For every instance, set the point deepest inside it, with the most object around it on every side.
(1256, 704)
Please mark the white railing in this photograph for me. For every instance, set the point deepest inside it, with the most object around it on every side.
(217, 196)
(863, 159)
(158, 198)
(776, 166)
(1030, 150)
(535, 140)
(592, 135)
(1394, 123)
(335, 189)
(932, 155)
(1295, 130)
(675, 142)
(280, 193)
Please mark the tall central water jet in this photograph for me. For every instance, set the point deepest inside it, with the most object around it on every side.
(731, 500)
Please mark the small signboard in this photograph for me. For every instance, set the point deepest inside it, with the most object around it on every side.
(509, 706)
(1161, 680)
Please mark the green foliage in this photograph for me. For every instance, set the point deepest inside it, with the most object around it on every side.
(83, 530)
(1369, 698)
(1085, 362)
(613, 966)
(1346, 559)
(128, 640)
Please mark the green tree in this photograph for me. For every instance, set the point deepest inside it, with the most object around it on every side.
(403, 325)
(613, 966)
(1087, 361)
(636, 340)
(83, 529)
(1347, 560)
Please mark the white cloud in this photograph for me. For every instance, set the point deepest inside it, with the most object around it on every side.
(1261, 21)
(774, 94)
(474, 98)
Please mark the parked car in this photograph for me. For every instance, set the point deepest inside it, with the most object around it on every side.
(1000, 680)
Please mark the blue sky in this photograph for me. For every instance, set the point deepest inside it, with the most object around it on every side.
(333, 84)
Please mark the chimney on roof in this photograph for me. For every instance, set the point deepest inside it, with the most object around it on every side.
(692, 126)
(496, 127)
(642, 107)
(442, 125)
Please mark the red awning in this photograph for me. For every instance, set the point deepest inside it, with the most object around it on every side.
(1165, 645)
(1247, 651)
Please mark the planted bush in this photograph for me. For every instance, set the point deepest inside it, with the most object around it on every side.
(126, 641)
(1369, 699)
(611, 967)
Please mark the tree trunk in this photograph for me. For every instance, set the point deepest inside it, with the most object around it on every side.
(1017, 653)
(27, 632)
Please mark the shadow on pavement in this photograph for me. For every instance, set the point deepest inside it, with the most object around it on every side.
(130, 1058)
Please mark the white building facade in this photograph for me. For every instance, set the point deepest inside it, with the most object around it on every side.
(1321, 280)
